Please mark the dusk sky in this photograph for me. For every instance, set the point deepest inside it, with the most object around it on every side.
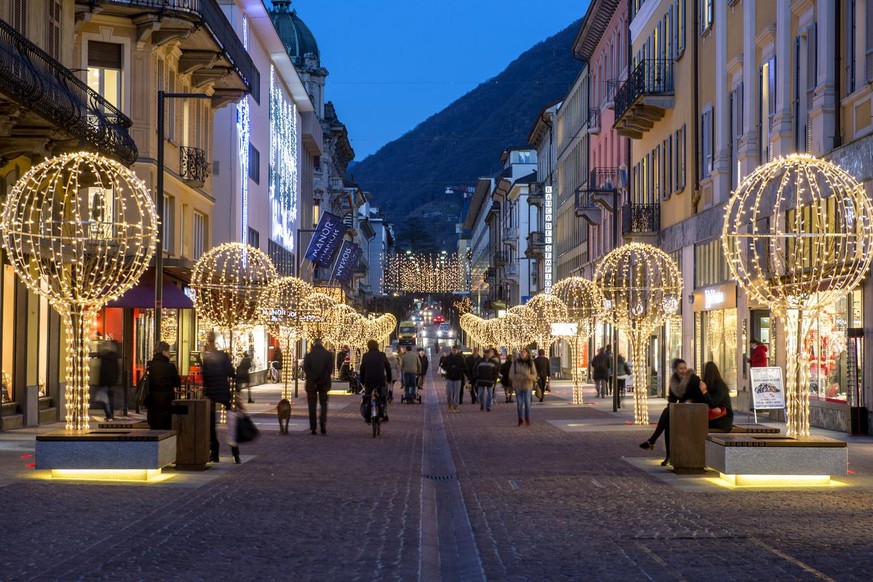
(393, 63)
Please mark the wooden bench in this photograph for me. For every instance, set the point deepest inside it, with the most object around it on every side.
(751, 428)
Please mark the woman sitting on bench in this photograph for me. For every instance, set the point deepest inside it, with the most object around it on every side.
(684, 387)
(717, 396)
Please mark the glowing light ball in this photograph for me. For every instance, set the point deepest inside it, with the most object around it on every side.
(80, 230)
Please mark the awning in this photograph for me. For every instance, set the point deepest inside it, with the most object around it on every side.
(142, 295)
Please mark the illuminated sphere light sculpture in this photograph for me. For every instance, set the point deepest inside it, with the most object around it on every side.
(584, 306)
(279, 309)
(641, 287)
(228, 282)
(80, 230)
(545, 309)
(522, 326)
(314, 323)
(798, 235)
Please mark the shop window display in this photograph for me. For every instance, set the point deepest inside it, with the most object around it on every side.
(826, 343)
(719, 332)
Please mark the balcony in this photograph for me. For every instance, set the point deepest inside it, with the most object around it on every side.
(511, 270)
(535, 194)
(644, 98)
(536, 245)
(641, 221)
(612, 87)
(587, 209)
(210, 47)
(601, 186)
(193, 167)
(593, 120)
(510, 236)
(499, 258)
(48, 105)
(493, 212)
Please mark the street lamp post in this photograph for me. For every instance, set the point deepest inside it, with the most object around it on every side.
(159, 205)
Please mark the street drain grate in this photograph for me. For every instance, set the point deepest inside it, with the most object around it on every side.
(440, 477)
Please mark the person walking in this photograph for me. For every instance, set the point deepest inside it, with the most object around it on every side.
(622, 371)
(318, 368)
(410, 365)
(163, 380)
(486, 375)
(610, 376)
(217, 370)
(599, 373)
(109, 372)
(758, 356)
(243, 377)
(471, 362)
(375, 375)
(523, 374)
(505, 378)
(233, 418)
(541, 362)
(396, 374)
(454, 366)
(425, 364)
(684, 387)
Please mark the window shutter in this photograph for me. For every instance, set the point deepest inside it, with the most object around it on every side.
(19, 16)
(771, 106)
(674, 11)
(868, 42)
(811, 73)
(53, 33)
(105, 55)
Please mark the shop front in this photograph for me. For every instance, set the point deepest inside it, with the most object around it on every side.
(715, 331)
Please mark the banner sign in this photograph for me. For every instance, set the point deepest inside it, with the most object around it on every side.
(768, 391)
(326, 239)
(346, 262)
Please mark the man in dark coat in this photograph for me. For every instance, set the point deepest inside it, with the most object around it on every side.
(541, 362)
(318, 367)
(163, 379)
(109, 372)
(471, 362)
(243, 375)
(217, 369)
(425, 363)
(486, 375)
(375, 375)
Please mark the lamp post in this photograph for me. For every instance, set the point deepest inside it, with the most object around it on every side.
(159, 205)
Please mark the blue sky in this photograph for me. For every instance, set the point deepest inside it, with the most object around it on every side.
(393, 63)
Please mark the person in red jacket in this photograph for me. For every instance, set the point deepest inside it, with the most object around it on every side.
(758, 357)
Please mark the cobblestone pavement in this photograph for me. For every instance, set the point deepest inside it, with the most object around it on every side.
(571, 497)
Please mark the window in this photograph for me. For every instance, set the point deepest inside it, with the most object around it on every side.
(804, 78)
(680, 27)
(668, 34)
(105, 70)
(656, 173)
(19, 16)
(254, 238)
(282, 258)
(736, 132)
(868, 41)
(680, 159)
(254, 164)
(668, 168)
(706, 14)
(199, 235)
(53, 32)
(767, 109)
(706, 143)
(710, 266)
(316, 212)
(169, 223)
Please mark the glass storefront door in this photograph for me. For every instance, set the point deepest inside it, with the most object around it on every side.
(717, 339)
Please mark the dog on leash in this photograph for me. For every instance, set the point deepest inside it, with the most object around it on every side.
(283, 411)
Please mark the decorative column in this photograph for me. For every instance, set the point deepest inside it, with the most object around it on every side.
(722, 163)
(748, 150)
(822, 117)
(783, 143)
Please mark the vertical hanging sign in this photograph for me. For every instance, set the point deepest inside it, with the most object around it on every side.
(346, 261)
(326, 239)
(547, 222)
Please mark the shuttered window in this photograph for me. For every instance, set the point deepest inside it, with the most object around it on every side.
(19, 16)
(736, 132)
(767, 108)
(706, 143)
(811, 74)
(868, 42)
(53, 32)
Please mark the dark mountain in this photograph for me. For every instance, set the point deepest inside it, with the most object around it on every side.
(411, 175)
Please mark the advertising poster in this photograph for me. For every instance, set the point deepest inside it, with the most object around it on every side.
(768, 390)
(346, 262)
(326, 239)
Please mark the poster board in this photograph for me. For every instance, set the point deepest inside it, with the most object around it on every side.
(768, 389)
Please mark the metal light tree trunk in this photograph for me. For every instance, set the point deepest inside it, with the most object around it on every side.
(641, 286)
(80, 230)
(798, 235)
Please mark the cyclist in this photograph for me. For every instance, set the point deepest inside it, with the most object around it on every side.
(375, 375)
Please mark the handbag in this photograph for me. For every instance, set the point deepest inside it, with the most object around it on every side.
(246, 431)
(717, 412)
(142, 390)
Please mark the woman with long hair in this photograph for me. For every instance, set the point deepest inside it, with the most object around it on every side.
(716, 394)
(522, 375)
(684, 387)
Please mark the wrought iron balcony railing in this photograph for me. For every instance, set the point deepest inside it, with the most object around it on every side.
(535, 194)
(32, 78)
(206, 13)
(601, 180)
(536, 238)
(641, 218)
(193, 166)
(650, 77)
(499, 258)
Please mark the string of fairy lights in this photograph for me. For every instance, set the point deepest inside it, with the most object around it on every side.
(425, 273)
(79, 229)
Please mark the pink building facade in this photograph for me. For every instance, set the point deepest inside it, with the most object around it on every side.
(603, 42)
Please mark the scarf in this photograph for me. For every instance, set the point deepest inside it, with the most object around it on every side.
(679, 385)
